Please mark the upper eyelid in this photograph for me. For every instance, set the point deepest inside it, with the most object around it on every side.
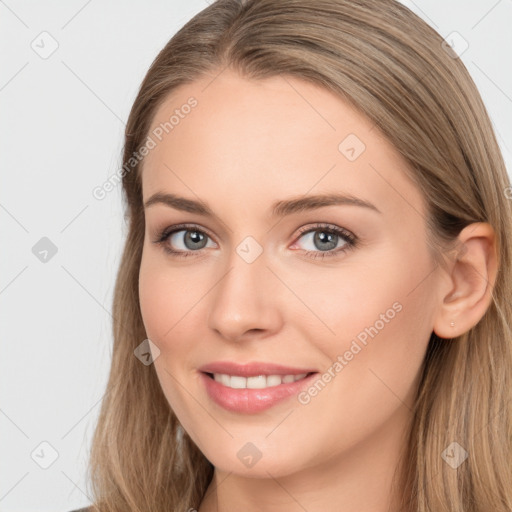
(324, 225)
(187, 227)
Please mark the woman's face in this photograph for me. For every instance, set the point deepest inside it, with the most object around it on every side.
(272, 267)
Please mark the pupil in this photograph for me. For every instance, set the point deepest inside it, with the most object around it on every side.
(194, 237)
(322, 237)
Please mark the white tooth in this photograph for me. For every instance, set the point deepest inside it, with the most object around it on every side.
(273, 380)
(225, 379)
(238, 382)
(257, 382)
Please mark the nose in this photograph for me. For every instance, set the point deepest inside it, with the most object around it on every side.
(245, 302)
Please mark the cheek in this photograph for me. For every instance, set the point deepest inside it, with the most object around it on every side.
(164, 304)
(397, 272)
(382, 327)
(379, 315)
(153, 303)
(171, 304)
(160, 303)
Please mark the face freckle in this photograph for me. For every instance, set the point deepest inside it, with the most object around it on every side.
(361, 319)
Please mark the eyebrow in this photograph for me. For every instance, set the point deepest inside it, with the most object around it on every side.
(279, 208)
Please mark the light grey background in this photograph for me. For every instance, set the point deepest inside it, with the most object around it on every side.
(61, 126)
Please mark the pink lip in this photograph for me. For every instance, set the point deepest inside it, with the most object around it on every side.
(251, 401)
(252, 369)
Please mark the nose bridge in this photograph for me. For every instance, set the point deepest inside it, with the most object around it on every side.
(244, 298)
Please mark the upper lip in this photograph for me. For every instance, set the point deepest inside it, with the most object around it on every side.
(252, 369)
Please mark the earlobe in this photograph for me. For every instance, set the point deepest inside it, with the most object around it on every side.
(473, 271)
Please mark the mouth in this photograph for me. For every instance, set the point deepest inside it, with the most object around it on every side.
(254, 392)
(256, 381)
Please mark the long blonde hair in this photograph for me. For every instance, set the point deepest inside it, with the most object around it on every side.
(390, 65)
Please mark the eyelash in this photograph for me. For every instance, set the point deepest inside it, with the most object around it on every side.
(348, 237)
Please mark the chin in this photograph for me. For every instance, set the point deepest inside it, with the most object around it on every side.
(253, 460)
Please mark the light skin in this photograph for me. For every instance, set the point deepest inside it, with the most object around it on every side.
(246, 145)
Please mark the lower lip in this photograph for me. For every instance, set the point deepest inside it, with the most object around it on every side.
(251, 401)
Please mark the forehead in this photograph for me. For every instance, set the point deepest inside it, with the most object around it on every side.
(279, 136)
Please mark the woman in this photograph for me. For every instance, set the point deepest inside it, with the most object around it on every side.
(313, 308)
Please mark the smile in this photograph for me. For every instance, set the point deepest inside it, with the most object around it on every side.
(256, 382)
(253, 394)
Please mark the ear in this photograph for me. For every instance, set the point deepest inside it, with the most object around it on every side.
(466, 293)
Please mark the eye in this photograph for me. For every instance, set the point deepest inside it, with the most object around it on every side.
(183, 240)
(325, 240)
